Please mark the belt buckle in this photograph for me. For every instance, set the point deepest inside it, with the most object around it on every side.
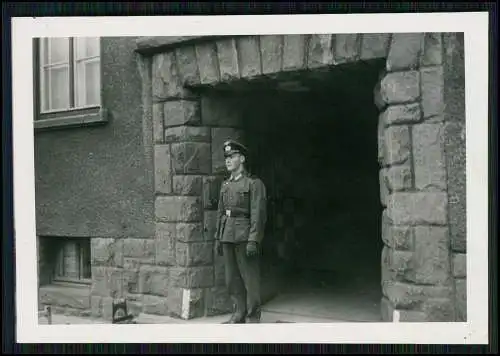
(228, 213)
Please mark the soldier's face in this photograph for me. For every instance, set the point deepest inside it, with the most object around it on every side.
(234, 161)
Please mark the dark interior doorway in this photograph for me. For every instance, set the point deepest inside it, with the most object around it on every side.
(316, 150)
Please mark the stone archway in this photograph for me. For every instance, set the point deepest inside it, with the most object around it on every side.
(188, 130)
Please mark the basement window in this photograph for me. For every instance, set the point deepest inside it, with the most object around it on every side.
(73, 262)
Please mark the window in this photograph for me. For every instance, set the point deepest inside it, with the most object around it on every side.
(73, 263)
(68, 80)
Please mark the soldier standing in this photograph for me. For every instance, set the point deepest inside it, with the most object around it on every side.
(241, 220)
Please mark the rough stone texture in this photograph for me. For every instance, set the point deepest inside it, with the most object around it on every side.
(397, 145)
(178, 209)
(209, 224)
(374, 45)
(131, 280)
(294, 51)
(165, 244)
(221, 110)
(404, 52)
(219, 135)
(432, 92)
(187, 185)
(166, 80)
(410, 296)
(217, 301)
(190, 232)
(158, 128)
(397, 237)
(433, 49)
(192, 277)
(138, 248)
(271, 49)
(228, 59)
(154, 280)
(196, 304)
(428, 157)
(399, 178)
(400, 87)
(187, 133)
(249, 56)
(163, 169)
(386, 309)
(401, 114)
(397, 262)
(384, 189)
(107, 308)
(211, 191)
(380, 141)
(320, 52)
(347, 47)
(107, 281)
(431, 264)
(96, 306)
(409, 316)
(70, 297)
(194, 254)
(208, 62)
(417, 208)
(187, 65)
(106, 252)
(438, 310)
(181, 112)
(191, 157)
(174, 301)
(459, 265)
(461, 299)
(155, 305)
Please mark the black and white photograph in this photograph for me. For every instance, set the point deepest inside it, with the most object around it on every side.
(317, 175)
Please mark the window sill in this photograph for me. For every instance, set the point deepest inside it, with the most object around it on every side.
(72, 121)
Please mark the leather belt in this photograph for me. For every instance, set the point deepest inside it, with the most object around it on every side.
(236, 214)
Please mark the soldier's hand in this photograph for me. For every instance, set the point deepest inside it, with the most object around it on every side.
(218, 248)
(252, 248)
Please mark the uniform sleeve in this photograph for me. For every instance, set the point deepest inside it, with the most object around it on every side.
(258, 210)
(220, 212)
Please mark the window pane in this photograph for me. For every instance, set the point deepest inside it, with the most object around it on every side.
(59, 50)
(58, 88)
(80, 84)
(71, 260)
(86, 47)
(92, 83)
(86, 260)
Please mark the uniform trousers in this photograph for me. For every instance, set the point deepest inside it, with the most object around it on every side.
(242, 280)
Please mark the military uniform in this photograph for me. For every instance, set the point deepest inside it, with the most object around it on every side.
(240, 225)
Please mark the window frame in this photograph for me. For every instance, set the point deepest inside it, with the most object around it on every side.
(59, 260)
(72, 117)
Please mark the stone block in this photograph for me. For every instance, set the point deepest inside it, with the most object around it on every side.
(374, 45)
(459, 265)
(192, 277)
(181, 112)
(410, 296)
(135, 306)
(107, 308)
(106, 282)
(271, 49)
(417, 208)
(405, 51)
(166, 235)
(433, 49)
(96, 306)
(211, 191)
(294, 52)
(189, 232)
(401, 114)
(397, 237)
(397, 145)
(428, 157)
(106, 252)
(384, 190)
(187, 65)
(400, 87)
(397, 262)
(133, 263)
(187, 185)
(380, 141)
(187, 133)
(208, 62)
(461, 299)
(320, 51)
(228, 59)
(154, 280)
(219, 135)
(249, 56)
(139, 248)
(386, 309)
(194, 254)
(174, 301)
(438, 310)
(220, 110)
(432, 92)
(163, 169)
(411, 316)
(194, 303)
(218, 301)
(178, 209)
(130, 280)
(209, 224)
(431, 261)
(155, 305)
(347, 47)
(191, 157)
(399, 178)
(166, 79)
(158, 129)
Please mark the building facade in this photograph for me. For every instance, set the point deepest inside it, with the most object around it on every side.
(133, 136)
